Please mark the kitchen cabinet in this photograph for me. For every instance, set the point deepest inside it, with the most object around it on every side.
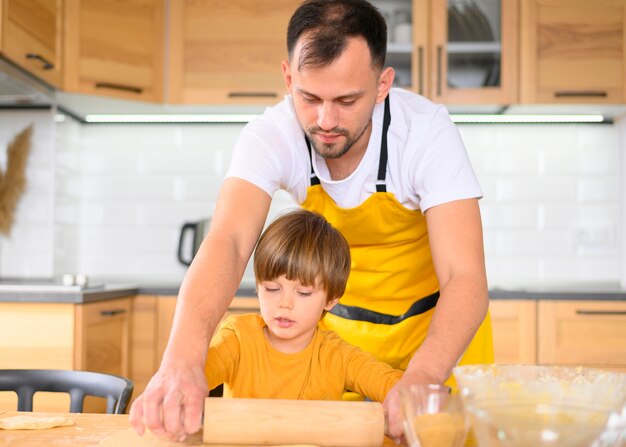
(31, 37)
(459, 51)
(573, 51)
(143, 353)
(587, 333)
(228, 52)
(115, 48)
(514, 325)
(93, 337)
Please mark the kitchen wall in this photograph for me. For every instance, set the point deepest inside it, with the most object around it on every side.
(124, 192)
(551, 211)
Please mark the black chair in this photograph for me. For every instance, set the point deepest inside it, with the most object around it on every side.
(78, 384)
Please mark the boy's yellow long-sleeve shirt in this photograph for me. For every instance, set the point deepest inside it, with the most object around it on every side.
(241, 357)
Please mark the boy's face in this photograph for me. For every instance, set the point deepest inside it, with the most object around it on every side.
(291, 312)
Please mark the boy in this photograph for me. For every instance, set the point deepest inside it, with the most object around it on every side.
(301, 266)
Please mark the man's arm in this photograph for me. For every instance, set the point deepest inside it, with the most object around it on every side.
(172, 403)
(456, 244)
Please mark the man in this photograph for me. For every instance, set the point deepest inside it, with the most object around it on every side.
(384, 166)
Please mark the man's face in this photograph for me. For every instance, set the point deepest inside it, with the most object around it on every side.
(334, 103)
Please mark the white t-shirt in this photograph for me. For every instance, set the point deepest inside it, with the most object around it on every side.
(427, 165)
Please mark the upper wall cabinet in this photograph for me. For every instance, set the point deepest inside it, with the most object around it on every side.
(455, 51)
(228, 51)
(31, 36)
(572, 51)
(115, 48)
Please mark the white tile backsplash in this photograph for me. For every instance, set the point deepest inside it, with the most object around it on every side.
(596, 189)
(513, 189)
(109, 200)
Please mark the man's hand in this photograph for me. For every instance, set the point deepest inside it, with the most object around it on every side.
(393, 415)
(172, 403)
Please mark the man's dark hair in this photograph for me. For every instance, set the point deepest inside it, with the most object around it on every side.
(329, 23)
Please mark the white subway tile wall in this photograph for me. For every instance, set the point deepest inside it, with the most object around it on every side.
(126, 190)
(552, 201)
(551, 208)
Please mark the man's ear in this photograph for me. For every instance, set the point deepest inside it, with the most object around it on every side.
(385, 81)
(286, 74)
(331, 304)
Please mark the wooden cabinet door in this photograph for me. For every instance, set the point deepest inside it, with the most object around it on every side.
(31, 37)
(474, 52)
(514, 325)
(143, 336)
(228, 51)
(103, 336)
(166, 306)
(572, 51)
(115, 48)
(589, 333)
(102, 342)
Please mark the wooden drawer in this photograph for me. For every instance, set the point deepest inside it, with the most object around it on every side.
(583, 333)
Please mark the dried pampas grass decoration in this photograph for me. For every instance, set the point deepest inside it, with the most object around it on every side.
(13, 180)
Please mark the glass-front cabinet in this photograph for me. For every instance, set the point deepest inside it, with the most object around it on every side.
(454, 51)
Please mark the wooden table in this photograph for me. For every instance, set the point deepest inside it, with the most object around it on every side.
(93, 430)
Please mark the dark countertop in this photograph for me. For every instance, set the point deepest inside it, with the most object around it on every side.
(51, 291)
(556, 294)
(173, 290)
(23, 293)
(46, 291)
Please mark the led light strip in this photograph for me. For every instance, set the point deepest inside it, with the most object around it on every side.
(530, 119)
(245, 118)
(171, 118)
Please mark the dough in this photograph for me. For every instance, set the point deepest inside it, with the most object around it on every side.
(28, 422)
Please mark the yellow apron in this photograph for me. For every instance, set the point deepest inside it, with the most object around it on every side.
(393, 289)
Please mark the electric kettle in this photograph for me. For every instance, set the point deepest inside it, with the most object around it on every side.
(191, 236)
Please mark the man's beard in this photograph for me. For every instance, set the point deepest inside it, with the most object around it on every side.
(333, 151)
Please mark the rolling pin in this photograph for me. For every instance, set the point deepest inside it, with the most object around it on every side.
(276, 421)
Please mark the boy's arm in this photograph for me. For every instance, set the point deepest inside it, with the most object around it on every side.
(172, 403)
(222, 361)
(366, 375)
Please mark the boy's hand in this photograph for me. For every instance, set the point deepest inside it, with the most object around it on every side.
(172, 403)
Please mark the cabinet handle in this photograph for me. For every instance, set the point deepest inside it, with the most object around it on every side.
(126, 88)
(600, 312)
(111, 313)
(252, 95)
(582, 93)
(420, 69)
(439, 56)
(47, 65)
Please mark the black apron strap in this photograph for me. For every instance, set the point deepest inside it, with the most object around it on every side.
(314, 179)
(381, 183)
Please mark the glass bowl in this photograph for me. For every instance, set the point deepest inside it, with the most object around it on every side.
(432, 416)
(528, 405)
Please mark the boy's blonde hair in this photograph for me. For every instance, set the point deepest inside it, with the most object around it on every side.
(303, 246)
